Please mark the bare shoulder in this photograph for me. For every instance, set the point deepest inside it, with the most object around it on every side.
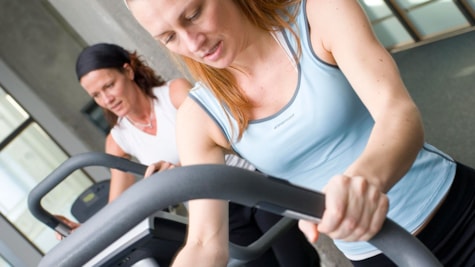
(194, 123)
(341, 32)
(180, 84)
(190, 112)
(179, 89)
(338, 23)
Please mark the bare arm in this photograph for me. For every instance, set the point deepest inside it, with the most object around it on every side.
(179, 89)
(397, 135)
(341, 35)
(120, 180)
(207, 239)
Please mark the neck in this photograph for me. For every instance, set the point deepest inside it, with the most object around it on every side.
(255, 54)
(145, 116)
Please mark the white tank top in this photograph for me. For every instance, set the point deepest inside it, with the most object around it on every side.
(145, 147)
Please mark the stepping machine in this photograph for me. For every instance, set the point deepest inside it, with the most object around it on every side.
(134, 230)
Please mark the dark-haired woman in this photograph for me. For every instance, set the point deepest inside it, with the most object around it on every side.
(138, 104)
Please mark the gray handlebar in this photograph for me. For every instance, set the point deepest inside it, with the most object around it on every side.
(63, 171)
(199, 182)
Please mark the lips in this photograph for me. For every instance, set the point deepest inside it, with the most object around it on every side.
(115, 106)
(213, 53)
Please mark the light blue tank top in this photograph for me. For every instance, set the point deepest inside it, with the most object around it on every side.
(320, 132)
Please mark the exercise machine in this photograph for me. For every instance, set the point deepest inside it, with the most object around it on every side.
(152, 242)
(96, 239)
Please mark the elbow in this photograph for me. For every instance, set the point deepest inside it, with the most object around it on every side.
(419, 133)
(421, 139)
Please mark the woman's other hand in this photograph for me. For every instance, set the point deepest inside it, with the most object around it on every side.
(72, 225)
(158, 166)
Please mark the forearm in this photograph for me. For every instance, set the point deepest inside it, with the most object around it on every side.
(207, 239)
(120, 181)
(392, 147)
(199, 256)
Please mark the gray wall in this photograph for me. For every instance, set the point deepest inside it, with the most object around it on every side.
(40, 43)
(441, 78)
(42, 53)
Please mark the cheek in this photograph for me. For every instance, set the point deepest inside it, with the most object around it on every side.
(100, 102)
(122, 87)
(179, 50)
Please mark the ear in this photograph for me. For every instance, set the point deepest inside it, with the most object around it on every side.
(128, 71)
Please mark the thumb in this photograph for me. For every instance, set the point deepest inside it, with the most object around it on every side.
(310, 230)
(150, 170)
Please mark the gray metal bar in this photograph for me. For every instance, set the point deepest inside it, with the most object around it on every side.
(63, 171)
(216, 182)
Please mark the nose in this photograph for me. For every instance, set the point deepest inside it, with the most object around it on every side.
(106, 98)
(194, 40)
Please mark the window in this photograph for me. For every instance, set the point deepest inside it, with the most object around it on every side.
(95, 114)
(470, 6)
(400, 22)
(28, 155)
(386, 26)
(430, 18)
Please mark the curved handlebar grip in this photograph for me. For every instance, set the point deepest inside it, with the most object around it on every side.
(63, 171)
(217, 182)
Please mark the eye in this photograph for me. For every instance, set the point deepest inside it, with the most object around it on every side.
(194, 16)
(109, 85)
(168, 38)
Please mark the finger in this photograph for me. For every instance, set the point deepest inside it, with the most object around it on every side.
(359, 209)
(165, 166)
(61, 218)
(378, 217)
(336, 198)
(367, 209)
(310, 230)
(150, 170)
(73, 225)
(67, 222)
(58, 236)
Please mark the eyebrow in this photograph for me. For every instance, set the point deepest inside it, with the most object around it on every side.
(181, 17)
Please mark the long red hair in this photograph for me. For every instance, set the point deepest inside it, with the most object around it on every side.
(269, 15)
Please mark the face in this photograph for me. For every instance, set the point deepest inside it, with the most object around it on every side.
(207, 31)
(111, 89)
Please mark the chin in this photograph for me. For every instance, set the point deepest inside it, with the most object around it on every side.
(220, 64)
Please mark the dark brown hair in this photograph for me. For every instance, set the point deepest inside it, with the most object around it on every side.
(103, 55)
